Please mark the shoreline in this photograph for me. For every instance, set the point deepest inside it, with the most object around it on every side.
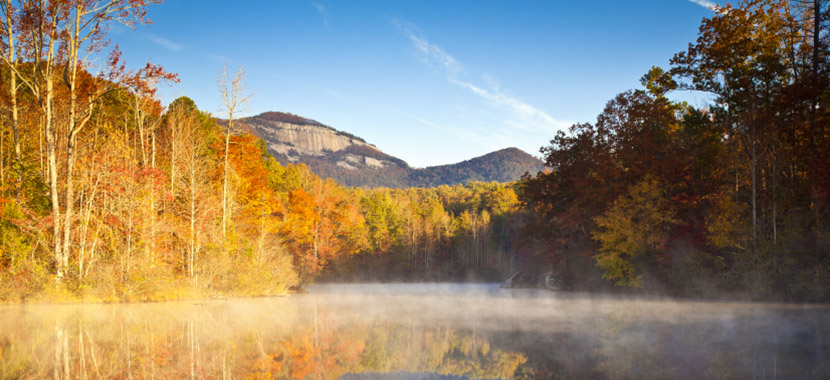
(99, 301)
(44, 298)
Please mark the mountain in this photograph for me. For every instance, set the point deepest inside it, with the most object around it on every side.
(504, 165)
(352, 161)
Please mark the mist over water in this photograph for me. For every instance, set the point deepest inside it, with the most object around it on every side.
(421, 331)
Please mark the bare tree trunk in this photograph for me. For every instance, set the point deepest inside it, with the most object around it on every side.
(233, 98)
(128, 252)
(41, 84)
(73, 129)
(139, 125)
(191, 258)
(83, 228)
(152, 238)
(87, 216)
(191, 264)
(69, 198)
(12, 61)
(174, 135)
(52, 163)
(51, 151)
(43, 174)
(225, 175)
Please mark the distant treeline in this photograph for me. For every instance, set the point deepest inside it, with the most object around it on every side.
(506, 165)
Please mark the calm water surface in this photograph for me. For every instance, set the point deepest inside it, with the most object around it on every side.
(425, 331)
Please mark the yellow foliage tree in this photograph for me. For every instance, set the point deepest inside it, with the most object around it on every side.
(634, 225)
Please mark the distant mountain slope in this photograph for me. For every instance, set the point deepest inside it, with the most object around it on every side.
(501, 166)
(351, 161)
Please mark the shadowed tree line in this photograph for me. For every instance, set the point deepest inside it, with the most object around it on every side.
(729, 198)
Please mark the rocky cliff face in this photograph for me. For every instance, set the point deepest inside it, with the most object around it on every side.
(292, 138)
(352, 161)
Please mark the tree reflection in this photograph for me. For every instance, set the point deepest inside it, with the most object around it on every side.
(327, 337)
(91, 344)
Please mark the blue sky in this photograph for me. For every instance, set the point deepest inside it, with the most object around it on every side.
(431, 82)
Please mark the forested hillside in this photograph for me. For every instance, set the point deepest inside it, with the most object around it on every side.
(506, 165)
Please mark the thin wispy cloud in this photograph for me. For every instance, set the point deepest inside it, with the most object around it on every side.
(164, 42)
(519, 107)
(322, 10)
(466, 134)
(705, 3)
(432, 55)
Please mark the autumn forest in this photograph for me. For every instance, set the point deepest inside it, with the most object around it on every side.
(107, 194)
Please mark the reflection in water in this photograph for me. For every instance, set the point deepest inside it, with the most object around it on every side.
(406, 331)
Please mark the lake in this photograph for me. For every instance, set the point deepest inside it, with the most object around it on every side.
(417, 331)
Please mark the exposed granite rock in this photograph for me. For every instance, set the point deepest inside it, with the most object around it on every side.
(352, 161)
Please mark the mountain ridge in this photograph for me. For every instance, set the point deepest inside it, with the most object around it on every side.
(351, 161)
